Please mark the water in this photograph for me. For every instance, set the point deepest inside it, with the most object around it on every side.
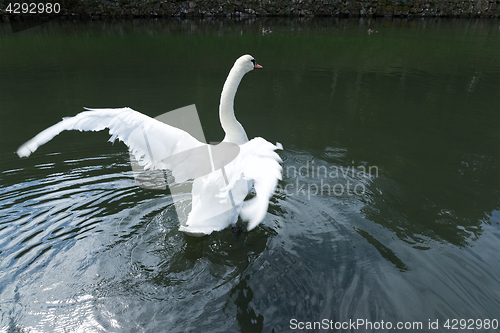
(411, 235)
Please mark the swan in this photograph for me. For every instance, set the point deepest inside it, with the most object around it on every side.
(236, 165)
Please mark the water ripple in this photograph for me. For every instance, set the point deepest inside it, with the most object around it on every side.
(90, 250)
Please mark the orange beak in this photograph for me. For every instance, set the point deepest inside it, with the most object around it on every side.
(257, 66)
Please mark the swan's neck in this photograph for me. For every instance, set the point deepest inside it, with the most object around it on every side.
(234, 131)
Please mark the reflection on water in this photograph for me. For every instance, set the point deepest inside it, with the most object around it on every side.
(412, 238)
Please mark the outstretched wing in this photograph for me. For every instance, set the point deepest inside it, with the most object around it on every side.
(259, 163)
(152, 142)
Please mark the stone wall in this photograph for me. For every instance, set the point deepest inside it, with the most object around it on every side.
(99, 9)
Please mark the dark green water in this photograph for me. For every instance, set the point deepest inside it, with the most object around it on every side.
(414, 239)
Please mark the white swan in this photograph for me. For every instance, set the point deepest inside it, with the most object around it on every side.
(217, 197)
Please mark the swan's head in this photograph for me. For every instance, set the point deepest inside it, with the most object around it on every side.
(247, 63)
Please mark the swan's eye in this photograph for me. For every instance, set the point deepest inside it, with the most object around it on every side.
(253, 61)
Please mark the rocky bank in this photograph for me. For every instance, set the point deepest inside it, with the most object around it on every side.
(102, 9)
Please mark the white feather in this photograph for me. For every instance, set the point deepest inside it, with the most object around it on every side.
(217, 197)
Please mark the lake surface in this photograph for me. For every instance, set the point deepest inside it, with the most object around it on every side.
(389, 207)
